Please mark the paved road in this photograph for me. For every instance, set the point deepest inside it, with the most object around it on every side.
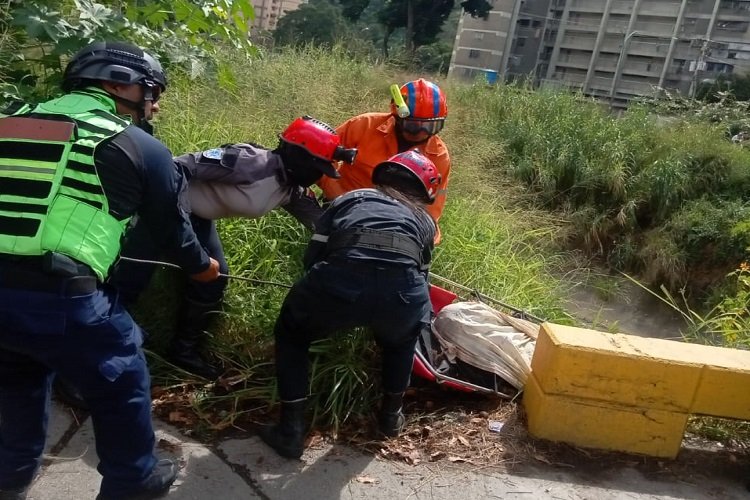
(236, 469)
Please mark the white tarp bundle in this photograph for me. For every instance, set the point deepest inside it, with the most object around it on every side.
(488, 339)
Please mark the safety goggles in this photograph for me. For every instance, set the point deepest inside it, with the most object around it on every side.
(151, 92)
(414, 125)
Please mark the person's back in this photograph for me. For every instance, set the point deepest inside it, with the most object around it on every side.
(74, 173)
(370, 211)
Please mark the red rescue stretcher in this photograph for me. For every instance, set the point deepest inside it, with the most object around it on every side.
(464, 378)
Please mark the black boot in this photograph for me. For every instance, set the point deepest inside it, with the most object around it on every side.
(156, 485)
(193, 321)
(391, 419)
(287, 437)
(15, 494)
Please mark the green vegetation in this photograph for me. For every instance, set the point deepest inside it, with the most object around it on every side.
(536, 175)
(38, 36)
(419, 22)
(489, 245)
(662, 199)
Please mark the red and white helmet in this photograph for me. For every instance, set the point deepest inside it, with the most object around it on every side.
(317, 138)
(411, 166)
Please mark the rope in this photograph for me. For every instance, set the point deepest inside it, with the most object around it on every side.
(476, 293)
(482, 297)
(230, 276)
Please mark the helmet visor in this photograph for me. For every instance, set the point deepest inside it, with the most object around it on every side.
(151, 92)
(415, 125)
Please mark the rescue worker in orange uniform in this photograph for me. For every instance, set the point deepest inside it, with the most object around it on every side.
(379, 136)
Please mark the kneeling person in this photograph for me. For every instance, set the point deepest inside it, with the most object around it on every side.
(366, 265)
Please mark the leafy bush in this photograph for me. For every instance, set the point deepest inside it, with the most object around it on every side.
(190, 33)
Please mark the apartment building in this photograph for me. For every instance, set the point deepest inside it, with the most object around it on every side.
(617, 49)
(504, 45)
(268, 12)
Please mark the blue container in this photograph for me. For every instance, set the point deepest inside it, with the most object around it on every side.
(491, 76)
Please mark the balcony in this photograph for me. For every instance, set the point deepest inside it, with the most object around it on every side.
(661, 8)
(574, 62)
(573, 41)
(734, 10)
(625, 88)
(586, 6)
(622, 7)
(638, 48)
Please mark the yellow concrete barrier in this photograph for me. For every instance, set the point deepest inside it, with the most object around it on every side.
(617, 368)
(596, 424)
(629, 393)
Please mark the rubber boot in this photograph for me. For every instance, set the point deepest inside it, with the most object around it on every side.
(287, 437)
(391, 419)
(156, 485)
(14, 494)
(193, 321)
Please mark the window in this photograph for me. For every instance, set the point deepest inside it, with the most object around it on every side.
(736, 26)
(473, 53)
(719, 67)
(536, 23)
(524, 22)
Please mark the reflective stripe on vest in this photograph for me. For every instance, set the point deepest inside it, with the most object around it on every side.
(51, 198)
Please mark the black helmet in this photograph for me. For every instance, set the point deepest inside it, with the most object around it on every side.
(119, 62)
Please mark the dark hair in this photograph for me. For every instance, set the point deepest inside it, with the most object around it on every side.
(412, 199)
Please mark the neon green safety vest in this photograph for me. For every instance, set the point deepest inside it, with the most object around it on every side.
(51, 197)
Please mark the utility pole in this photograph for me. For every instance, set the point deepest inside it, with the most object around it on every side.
(620, 63)
(672, 44)
(600, 39)
(699, 66)
(701, 63)
(512, 31)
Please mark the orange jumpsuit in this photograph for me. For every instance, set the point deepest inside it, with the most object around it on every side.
(374, 136)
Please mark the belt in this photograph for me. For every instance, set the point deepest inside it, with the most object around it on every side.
(22, 277)
(381, 268)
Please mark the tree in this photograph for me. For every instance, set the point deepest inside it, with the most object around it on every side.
(46, 32)
(353, 9)
(737, 85)
(422, 20)
(319, 22)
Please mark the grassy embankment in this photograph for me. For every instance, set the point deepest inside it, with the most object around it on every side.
(662, 201)
(489, 244)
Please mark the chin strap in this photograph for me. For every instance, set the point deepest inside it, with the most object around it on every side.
(138, 107)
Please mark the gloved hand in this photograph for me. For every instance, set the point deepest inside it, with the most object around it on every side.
(209, 274)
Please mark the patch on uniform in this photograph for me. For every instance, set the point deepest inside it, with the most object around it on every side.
(213, 154)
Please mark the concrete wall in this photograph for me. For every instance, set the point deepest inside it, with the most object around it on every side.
(628, 393)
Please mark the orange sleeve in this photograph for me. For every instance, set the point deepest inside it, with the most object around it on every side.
(443, 163)
(350, 133)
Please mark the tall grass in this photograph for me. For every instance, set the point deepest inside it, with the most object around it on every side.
(487, 244)
(626, 183)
